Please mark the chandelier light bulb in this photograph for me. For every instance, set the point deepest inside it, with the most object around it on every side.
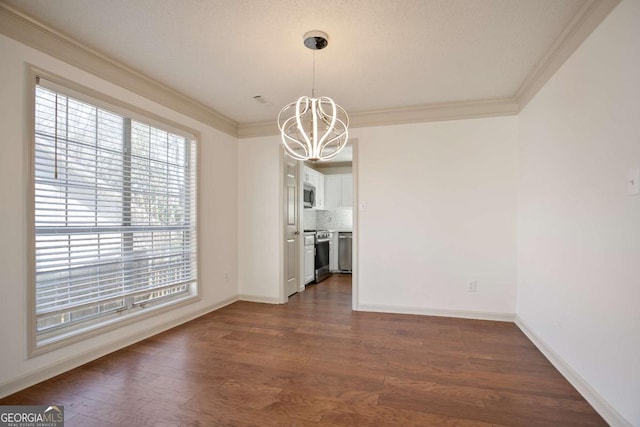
(311, 128)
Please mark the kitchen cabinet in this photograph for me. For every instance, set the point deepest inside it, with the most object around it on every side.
(320, 192)
(338, 191)
(346, 190)
(306, 175)
(309, 264)
(332, 191)
(315, 178)
(309, 257)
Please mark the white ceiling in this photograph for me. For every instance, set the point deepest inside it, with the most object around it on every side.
(382, 54)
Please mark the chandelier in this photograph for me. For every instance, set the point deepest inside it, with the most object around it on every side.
(313, 128)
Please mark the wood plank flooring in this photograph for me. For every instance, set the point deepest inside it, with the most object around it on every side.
(314, 362)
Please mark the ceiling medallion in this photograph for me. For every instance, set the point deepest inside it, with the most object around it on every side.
(311, 128)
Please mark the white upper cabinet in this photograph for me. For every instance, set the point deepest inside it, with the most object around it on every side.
(306, 175)
(338, 191)
(315, 178)
(346, 191)
(320, 192)
(332, 191)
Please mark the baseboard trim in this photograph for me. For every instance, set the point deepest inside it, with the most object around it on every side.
(257, 298)
(425, 311)
(601, 406)
(64, 365)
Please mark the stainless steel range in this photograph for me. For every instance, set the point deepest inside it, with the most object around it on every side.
(322, 255)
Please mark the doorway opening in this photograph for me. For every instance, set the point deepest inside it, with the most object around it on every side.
(327, 222)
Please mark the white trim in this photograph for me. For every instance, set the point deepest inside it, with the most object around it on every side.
(396, 116)
(259, 299)
(67, 364)
(601, 406)
(425, 311)
(355, 267)
(282, 292)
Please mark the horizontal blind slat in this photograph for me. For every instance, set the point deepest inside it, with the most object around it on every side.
(106, 299)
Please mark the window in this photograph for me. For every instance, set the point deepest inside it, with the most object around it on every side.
(114, 214)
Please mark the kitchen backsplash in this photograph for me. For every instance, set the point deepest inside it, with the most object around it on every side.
(309, 219)
(334, 220)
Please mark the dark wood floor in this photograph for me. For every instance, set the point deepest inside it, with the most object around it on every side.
(314, 362)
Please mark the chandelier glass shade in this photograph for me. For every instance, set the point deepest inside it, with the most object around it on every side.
(311, 128)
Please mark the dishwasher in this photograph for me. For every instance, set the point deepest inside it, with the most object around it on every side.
(344, 252)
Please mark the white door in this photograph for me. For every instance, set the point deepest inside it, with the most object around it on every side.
(291, 232)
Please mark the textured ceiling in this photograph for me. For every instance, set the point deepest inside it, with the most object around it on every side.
(382, 54)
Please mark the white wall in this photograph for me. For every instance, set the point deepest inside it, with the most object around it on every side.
(259, 219)
(579, 232)
(440, 212)
(217, 238)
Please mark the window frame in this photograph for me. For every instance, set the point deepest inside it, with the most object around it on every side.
(115, 105)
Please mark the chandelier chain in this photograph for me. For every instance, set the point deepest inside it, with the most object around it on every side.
(313, 77)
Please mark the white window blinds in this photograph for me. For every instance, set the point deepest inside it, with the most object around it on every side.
(115, 214)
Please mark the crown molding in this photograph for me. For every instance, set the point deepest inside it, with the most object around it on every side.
(35, 34)
(255, 129)
(405, 115)
(435, 112)
(27, 30)
(590, 15)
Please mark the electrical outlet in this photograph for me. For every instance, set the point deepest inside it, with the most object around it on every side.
(226, 277)
(473, 286)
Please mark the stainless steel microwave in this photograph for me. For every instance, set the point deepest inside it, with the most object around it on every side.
(309, 196)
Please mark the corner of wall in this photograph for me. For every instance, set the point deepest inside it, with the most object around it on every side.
(608, 412)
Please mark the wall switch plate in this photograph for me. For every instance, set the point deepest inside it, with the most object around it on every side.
(633, 182)
(473, 286)
(363, 206)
